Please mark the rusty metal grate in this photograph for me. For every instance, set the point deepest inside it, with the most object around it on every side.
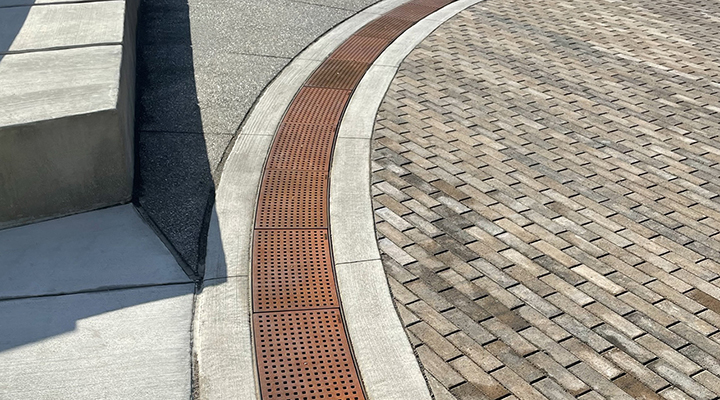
(293, 199)
(437, 4)
(292, 270)
(314, 105)
(361, 48)
(338, 74)
(304, 355)
(411, 12)
(385, 28)
(302, 348)
(302, 147)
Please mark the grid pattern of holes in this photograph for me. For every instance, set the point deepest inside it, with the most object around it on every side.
(435, 4)
(338, 74)
(304, 355)
(411, 12)
(385, 28)
(314, 105)
(293, 199)
(302, 147)
(292, 270)
(300, 342)
(361, 48)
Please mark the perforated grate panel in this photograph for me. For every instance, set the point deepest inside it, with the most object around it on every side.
(411, 12)
(302, 147)
(293, 199)
(314, 105)
(385, 28)
(437, 4)
(304, 355)
(338, 74)
(361, 48)
(301, 344)
(292, 270)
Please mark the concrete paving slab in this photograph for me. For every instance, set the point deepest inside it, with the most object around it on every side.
(386, 361)
(222, 347)
(223, 98)
(90, 251)
(244, 27)
(351, 218)
(121, 344)
(46, 85)
(61, 26)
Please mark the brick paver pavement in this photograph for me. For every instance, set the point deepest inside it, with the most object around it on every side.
(545, 179)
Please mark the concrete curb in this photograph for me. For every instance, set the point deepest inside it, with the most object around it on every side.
(222, 342)
(387, 364)
(222, 352)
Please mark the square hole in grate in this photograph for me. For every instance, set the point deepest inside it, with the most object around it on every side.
(292, 270)
(385, 28)
(292, 199)
(338, 74)
(304, 355)
(361, 48)
(302, 147)
(319, 106)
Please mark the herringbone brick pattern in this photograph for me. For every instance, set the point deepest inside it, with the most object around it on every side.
(546, 180)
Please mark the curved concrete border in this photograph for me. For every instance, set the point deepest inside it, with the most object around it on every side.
(222, 350)
(385, 358)
(223, 361)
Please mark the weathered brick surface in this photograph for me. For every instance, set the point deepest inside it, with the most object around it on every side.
(546, 182)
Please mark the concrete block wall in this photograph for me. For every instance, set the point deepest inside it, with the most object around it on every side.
(66, 107)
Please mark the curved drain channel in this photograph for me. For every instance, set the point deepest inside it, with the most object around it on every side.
(301, 344)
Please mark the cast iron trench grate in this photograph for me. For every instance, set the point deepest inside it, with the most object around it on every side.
(301, 345)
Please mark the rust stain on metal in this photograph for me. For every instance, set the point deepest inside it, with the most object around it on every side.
(302, 147)
(292, 270)
(338, 74)
(411, 12)
(301, 346)
(305, 355)
(292, 199)
(363, 49)
(385, 28)
(318, 106)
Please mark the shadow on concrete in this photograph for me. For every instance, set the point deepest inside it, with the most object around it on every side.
(174, 192)
(95, 258)
(173, 183)
(12, 19)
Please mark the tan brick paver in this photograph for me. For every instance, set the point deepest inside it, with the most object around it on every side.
(546, 182)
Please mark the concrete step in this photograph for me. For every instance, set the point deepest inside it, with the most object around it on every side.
(67, 94)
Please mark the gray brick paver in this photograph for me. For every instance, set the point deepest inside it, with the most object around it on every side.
(546, 182)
